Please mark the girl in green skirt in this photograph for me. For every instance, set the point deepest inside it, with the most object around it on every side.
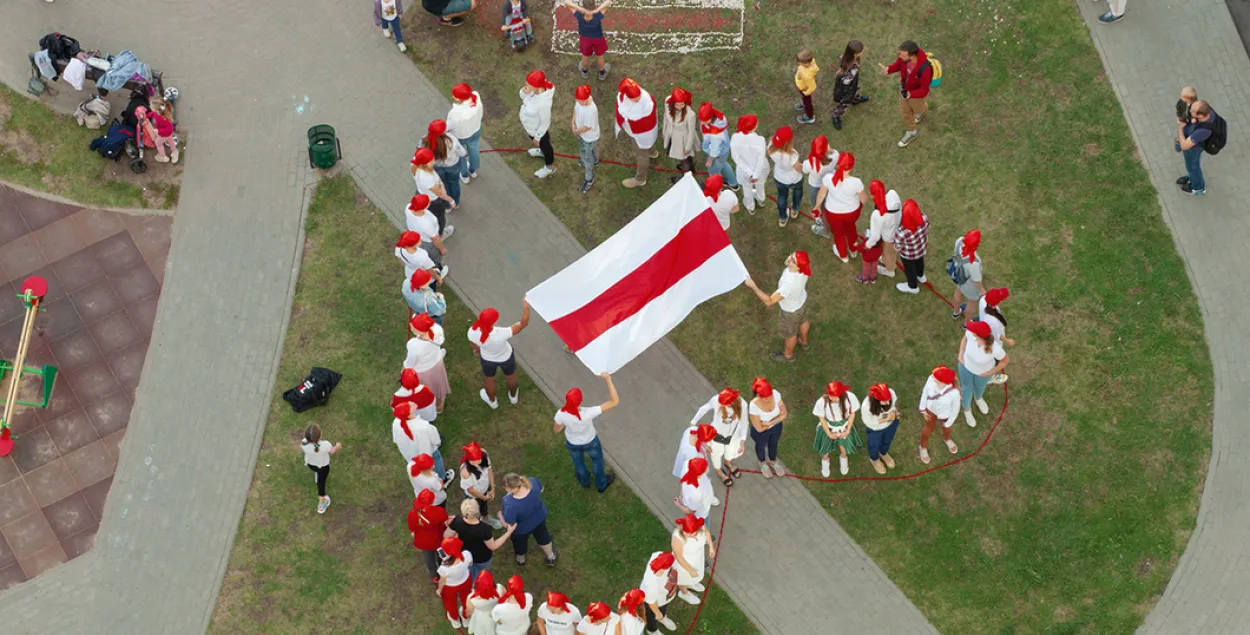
(836, 411)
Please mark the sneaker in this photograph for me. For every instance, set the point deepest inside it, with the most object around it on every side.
(452, 22)
(1185, 189)
(824, 468)
(888, 460)
(403, 48)
(877, 466)
(455, 621)
(513, 398)
(447, 232)
(778, 469)
(751, 211)
(584, 71)
(844, 465)
(861, 279)
(859, 100)
(766, 471)
(445, 271)
(1184, 180)
(819, 229)
(959, 313)
(1000, 378)
(837, 123)
(922, 279)
(696, 587)
(464, 178)
(688, 597)
(799, 106)
(449, 477)
(386, 33)
(908, 137)
(611, 478)
(781, 357)
(162, 159)
(473, 175)
(924, 456)
(803, 119)
(323, 505)
(551, 562)
(493, 404)
(586, 185)
(983, 407)
(783, 222)
(607, 68)
(494, 523)
(667, 623)
(881, 270)
(173, 158)
(714, 502)
(971, 421)
(535, 152)
(736, 188)
(545, 172)
(902, 286)
(632, 183)
(1111, 18)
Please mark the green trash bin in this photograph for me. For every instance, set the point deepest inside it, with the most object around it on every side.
(324, 150)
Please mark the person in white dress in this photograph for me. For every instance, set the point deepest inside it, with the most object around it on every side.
(939, 403)
(425, 355)
(659, 587)
(727, 409)
(631, 614)
(691, 540)
(694, 442)
(599, 620)
(696, 496)
(481, 602)
(558, 616)
(512, 613)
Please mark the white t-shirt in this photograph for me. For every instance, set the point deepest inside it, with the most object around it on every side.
(318, 458)
(832, 410)
(842, 198)
(579, 431)
(425, 438)
(425, 224)
(871, 421)
(479, 483)
(425, 185)
(559, 623)
(432, 483)
(685, 451)
(587, 117)
(767, 415)
(608, 627)
(976, 359)
(659, 588)
(736, 430)
(511, 619)
(632, 624)
(723, 207)
(793, 289)
(698, 498)
(416, 259)
(881, 227)
(942, 402)
(465, 119)
(828, 166)
(430, 412)
(996, 327)
(388, 10)
(496, 347)
(456, 573)
(783, 167)
(423, 354)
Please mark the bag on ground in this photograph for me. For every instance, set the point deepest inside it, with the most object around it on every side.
(92, 113)
(314, 390)
(112, 144)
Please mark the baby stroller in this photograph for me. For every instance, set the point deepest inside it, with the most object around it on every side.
(516, 36)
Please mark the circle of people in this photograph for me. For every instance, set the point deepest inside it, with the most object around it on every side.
(457, 551)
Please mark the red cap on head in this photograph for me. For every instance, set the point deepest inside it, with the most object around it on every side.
(632, 600)
(783, 136)
(762, 388)
(912, 218)
(403, 411)
(424, 500)
(583, 92)
(819, 151)
(409, 239)
(979, 329)
(880, 392)
(420, 278)
(846, 163)
(463, 92)
(538, 79)
(408, 378)
(598, 611)
(421, 463)
(558, 600)
(484, 585)
(516, 589)
(972, 240)
(836, 389)
(453, 547)
(877, 190)
(690, 523)
(662, 562)
(472, 452)
(681, 96)
(727, 396)
(803, 262)
(712, 186)
(747, 123)
(703, 433)
(572, 401)
(695, 468)
(629, 88)
(437, 128)
(944, 375)
(486, 321)
(419, 202)
(423, 156)
(423, 323)
(708, 112)
(994, 297)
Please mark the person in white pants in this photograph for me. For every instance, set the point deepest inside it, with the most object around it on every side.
(727, 409)
(750, 155)
(1115, 11)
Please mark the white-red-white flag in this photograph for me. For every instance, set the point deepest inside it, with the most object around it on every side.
(630, 291)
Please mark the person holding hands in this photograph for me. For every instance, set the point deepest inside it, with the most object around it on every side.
(536, 97)
(791, 297)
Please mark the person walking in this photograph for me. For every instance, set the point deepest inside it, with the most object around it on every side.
(1194, 138)
(636, 115)
(631, 623)
(1115, 11)
(482, 601)
(581, 439)
(980, 357)
(696, 495)
(523, 506)
(791, 296)
(693, 443)
(659, 587)
(939, 403)
(599, 620)
(691, 543)
(767, 414)
(727, 408)
(846, 82)
(915, 74)
(842, 198)
(558, 616)
(426, 523)
(386, 14)
(421, 474)
(879, 413)
(821, 161)
(836, 411)
(490, 344)
(410, 254)
(912, 242)
(883, 224)
(964, 269)
(412, 391)
(464, 122)
(477, 479)
(536, 98)
(680, 125)
(714, 127)
(448, 157)
(512, 613)
(590, 38)
(477, 535)
(787, 175)
(432, 194)
(750, 155)
(989, 313)
(317, 457)
(724, 203)
(454, 581)
(425, 356)
(586, 127)
(805, 80)
(421, 298)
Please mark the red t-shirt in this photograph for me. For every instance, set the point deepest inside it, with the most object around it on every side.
(427, 535)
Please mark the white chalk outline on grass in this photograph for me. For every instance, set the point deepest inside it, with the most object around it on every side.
(629, 43)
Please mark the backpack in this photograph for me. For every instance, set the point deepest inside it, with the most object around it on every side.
(113, 143)
(932, 62)
(955, 267)
(1219, 134)
(60, 47)
(314, 390)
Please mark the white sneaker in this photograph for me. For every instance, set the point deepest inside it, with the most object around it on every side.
(902, 286)
(881, 270)
(983, 407)
(455, 621)
(494, 523)
(688, 597)
(448, 231)
(667, 623)
(1000, 378)
(972, 422)
(386, 33)
(445, 271)
(464, 178)
(535, 152)
(403, 48)
(493, 404)
(844, 465)
(544, 172)
(923, 279)
(514, 398)
(824, 468)
(697, 587)
(908, 137)
(715, 501)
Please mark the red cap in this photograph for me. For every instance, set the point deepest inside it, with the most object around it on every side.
(423, 323)
(558, 600)
(572, 401)
(944, 375)
(453, 547)
(979, 329)
(994, 297)
(803, 262)
(538, 79)
(629, 88)
(463, 92)
(690, 523)
(486, 321)
(880, 392)
(420, 278)
(662, 561)
(484, 585)
(423, 156)
(681, 96)
(472, 452)
(408, 378)
(409, 239)
(597, 611)
(727, 396)
(419, 202)
(836, 389)
(695, 468)
(762, 388)
(712, 186)
(783, 136)
(747, 123)
(583, 92)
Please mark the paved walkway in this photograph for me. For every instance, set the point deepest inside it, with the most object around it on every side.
(1157, 49)
(249, 91)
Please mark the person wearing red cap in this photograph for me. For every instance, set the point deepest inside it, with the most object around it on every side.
(636, 115)
(871, 244)
(421, 298)
(964, 269)
(846, 82)
(414, 436)
(691, 541)
(692, 443)
(787, 175)
(448, 155)
(912, 243)
(410, 254)
(412, 391)
(477, 479)
(696, 495)
(767, 414)
(879, 412)
(980, 358)
(727, 408)
(581, 439)
(482, 601)
(821, 161)
(422, 476)
(659, 587)
(386, 14)
(536, 97)
(989, 313)
(724, 203)
(631, 613)
(599, 620)
(586, 127)
(426, 524)
(939, 403)
(791, 297)
(883, 225)
(317, 453)
(437, 199)
(512, 613)
(750, 154)
(836, 411)
(590, 39)
(841, 198)
(425, 356)
(915, 74)
(714, 128)
(558, 616)
(490, 344)
(428, 223)
(454, 581)
(464, 122)
(680, 124)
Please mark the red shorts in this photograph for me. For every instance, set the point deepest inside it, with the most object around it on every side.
(593, 46)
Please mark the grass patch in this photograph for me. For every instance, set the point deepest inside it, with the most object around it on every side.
(1076, 515)
(47, 151)
(354, 569)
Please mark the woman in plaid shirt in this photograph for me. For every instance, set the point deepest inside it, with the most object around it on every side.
(912, 241)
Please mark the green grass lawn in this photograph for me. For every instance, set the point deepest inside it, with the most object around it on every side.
(1075, 516)
(354, 569)
(47, 151)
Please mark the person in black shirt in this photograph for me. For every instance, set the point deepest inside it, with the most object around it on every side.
(477, 536)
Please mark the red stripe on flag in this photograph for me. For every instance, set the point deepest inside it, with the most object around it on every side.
(699, 240)
(660, 20)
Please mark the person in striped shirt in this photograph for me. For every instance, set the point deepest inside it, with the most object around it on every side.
(912, 242)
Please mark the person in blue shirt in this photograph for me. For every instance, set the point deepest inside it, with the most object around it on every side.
(1190, 138)
(523, 506)
(590, 39)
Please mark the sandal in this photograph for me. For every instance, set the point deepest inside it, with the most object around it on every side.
(728, 481)
(735, 472)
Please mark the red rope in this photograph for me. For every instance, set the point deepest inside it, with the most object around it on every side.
(608, 161)
(707, 588)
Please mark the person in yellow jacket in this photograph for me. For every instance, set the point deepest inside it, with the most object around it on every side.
(805, 79)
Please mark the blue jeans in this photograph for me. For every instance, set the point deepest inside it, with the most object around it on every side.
(393, 25)
(879, 440)
(450, 176)
(439, 468)
(476, 568)
(589, 151)
(720, 165)
(766, 442)
(595, 450)
(792, 193)
(1193, 166)
(471, 163)
(971, 386)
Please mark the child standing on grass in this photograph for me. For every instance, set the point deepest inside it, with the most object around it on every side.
(871, 256)
(750, 154)
(805, 79)
(386, 14)
(846, 82)
(836, 412)
(536, 97)
(821, 160)
(317, 457)
(590, 39)
(713, 126)
(586, 127)
(787, 175)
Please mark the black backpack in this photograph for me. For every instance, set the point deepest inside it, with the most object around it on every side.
(314, 390)
(59, 46)
(1219, 134)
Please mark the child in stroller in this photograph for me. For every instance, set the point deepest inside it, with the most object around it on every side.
(516, 24)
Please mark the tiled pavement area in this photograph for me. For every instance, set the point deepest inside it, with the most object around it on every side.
(103, 270)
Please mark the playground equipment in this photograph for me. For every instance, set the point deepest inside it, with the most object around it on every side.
(33, 290)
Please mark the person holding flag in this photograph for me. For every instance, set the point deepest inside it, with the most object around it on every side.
(490, 344)
(791, 296)
(636, 115)
(581, 439)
